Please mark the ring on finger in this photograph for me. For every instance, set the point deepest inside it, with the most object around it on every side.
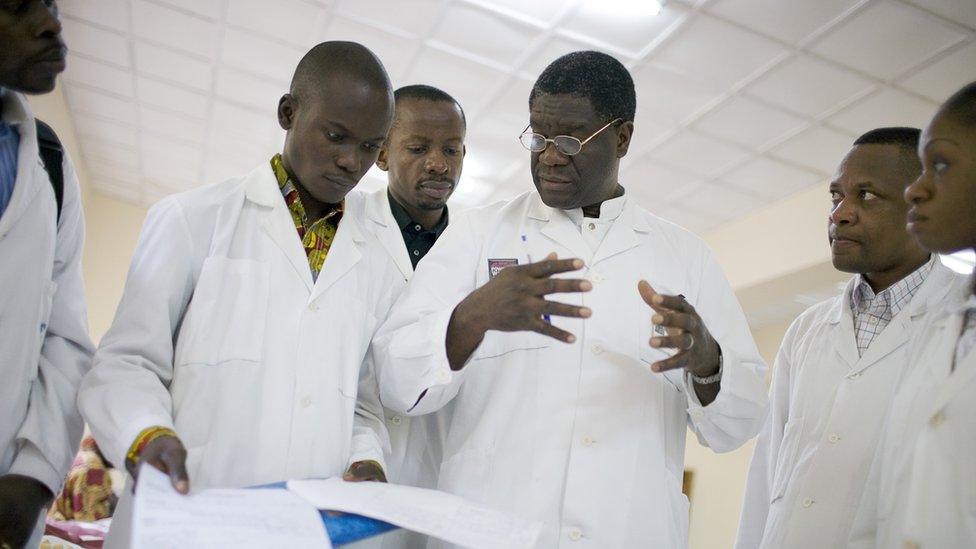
(691, 341)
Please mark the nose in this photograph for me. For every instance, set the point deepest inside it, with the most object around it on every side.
(48, 22)
(435, 164)
(552, 157)
(348, 160)
(919, 190)
(844, 213)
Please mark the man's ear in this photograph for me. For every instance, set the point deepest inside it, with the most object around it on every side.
(624, 134)
(286, 111)
(381, 160)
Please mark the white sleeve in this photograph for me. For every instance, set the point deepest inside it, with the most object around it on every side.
(370, 437)
(739, 410)
(413, 371)
(49, 435)
(128, 387)
(762, 468)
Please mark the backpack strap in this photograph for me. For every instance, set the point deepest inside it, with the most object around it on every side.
(52, 155)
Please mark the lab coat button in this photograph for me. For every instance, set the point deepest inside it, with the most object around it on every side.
(313, 307)
(597, 349)
(937, 419)
(306, 401)
(855, 375)
(833, 438)
(587, 441)
(396, 420)
(575, 534)
(591, 226)
(808, 502)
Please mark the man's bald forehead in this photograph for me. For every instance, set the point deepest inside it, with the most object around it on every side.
(336, 61)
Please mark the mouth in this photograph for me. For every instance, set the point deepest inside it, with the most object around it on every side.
(339, 182)
(840, 241)
(554, 183)
(915, 220)
(438, 190)
(54, 57)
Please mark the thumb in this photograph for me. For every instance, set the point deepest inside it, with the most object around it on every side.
(552, 255)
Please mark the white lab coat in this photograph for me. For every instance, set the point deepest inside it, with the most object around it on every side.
(44, 344)
(828, 406)
(222, 335)
(922, 485)
(583, 437)
(415, 450)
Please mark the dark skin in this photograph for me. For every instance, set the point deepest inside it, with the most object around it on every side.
(332, 138)
(31, 58)
(866, 226)
(942, 216)
(516, 299)
(423, 156)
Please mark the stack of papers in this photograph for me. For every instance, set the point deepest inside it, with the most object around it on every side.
(275, 518)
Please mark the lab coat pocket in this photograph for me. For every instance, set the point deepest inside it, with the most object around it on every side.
(649, 355)
(680, 508)
(226, 317)
(43, 317)
(786, 459)
(501, 343)
(467, 474)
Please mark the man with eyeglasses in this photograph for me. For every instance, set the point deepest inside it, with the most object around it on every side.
(573, 412)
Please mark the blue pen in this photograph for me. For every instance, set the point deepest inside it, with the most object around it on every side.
(525, 242)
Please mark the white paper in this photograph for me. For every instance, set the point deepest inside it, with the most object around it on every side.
(259, 518)
(439, 514)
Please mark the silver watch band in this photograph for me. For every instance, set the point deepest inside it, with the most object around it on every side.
(715, 378)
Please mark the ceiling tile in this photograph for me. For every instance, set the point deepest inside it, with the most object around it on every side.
(960, 11)
(670, 97)
(721, 201)
(770, 179)
(748, 122)
(788, 21)
(107, 152)
(252, 125)
(819, 148)
(88, 126)
(886, 108)
(540, 12)
(695, 222)
(125, 191)
(99, 169)
(907, 38)
(717, 51)
(628, 30)
(167, 96)
(698, 154)
(99, 75)
(219, 167)
(293, 21)
(206, 8)
(466, 80)
(500, 39)
(394, 51)
(651, 183)
(509, 112)
(106, 106)
(553, 48)
(251, 53)
(172, 126)
(413, 18)
(174, 29)
(648, 131)
(808, 86)
(110, 13)
(100, 44)
(172, 66)
(942, 78)
(260, 93)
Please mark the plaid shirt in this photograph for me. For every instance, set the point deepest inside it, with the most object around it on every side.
(873, 312)
(316, 237)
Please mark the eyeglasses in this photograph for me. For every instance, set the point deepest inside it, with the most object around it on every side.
(565, 144)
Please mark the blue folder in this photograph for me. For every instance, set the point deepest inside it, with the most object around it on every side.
(345, 528)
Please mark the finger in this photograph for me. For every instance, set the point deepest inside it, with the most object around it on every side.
(546, 286)
(545, 328)
(670, 319)
(673, 363)
(555, 308)
(551, 266)
(175, 462)
(647, 293)
(682, 341)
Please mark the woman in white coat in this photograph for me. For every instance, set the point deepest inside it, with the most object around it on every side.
(226, 341)
(924, 475)
(564, 421)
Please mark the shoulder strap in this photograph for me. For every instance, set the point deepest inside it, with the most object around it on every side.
(52, 155)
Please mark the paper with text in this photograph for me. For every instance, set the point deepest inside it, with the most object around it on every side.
(439, 514)
(163, 518)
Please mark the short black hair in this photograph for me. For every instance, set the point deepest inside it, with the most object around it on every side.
(592, 75)
(338, 59)
(961, 106)
(905, 138)
(427, 93)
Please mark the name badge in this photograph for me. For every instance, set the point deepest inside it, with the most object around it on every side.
(496, 265)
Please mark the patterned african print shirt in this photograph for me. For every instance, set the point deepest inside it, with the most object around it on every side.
(873, 312)
(317, 236)
(87, 494)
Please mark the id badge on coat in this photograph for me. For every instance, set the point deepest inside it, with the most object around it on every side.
(495, 265)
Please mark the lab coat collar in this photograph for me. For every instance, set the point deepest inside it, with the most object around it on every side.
(379, 213)
(345, 252)
(30, 170)
(935, 287)
(261, 188)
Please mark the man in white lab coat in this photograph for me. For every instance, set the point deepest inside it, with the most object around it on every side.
(422, 156)
(841, 360)
(44, 345)
(922, 487)
(234, 358)
(573, 413)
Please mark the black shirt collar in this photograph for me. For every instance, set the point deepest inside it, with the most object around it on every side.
(405, 222)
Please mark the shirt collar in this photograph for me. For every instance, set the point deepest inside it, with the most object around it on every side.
(894, 297)
(609, 210)
(287, 186)
(404, 220)
(14, 107)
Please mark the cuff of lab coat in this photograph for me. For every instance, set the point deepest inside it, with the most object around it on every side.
(730, 373)
(365, 453)
(30, 462)
(118, 447)
(438, 376)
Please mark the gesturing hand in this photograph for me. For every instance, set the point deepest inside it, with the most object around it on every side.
(698, 350)
(169, 456)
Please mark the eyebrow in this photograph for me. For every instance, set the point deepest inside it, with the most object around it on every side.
(339, 126)
(936, 140)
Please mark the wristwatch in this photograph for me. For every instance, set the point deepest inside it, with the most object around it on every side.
(714, 378)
